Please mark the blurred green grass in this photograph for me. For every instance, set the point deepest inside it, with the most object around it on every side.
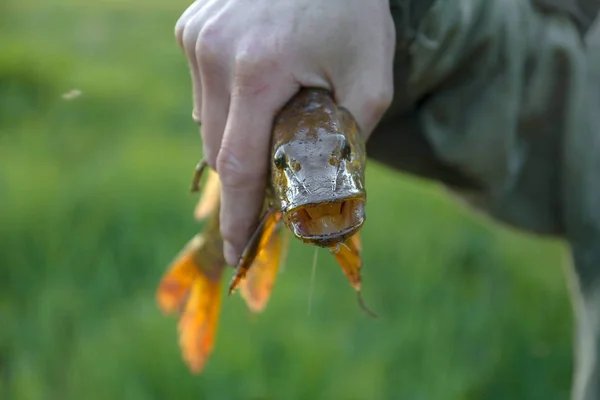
(95, 204)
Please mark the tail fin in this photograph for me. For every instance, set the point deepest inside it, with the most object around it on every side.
(192, 287)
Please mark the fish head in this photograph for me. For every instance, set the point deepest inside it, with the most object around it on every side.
(317, 169)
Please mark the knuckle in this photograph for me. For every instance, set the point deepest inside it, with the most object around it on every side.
(180, 28)
(251, 79)
(379, 101)
(232, 229)
(210, 156)
(231, 169)
(250, 63)
(184, 29)
(254, 61)
(189, 36)
(374, 105)
(209, 150)
(208, 43)
(188, 15)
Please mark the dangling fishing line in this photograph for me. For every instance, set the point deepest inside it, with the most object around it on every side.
(312, 279)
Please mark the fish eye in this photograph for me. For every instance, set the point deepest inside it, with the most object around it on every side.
(346, 150)
(279, 159)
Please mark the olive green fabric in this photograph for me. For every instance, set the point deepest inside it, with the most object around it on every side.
(498, 81)
(583, 12)
(500, 101)
(493, 87)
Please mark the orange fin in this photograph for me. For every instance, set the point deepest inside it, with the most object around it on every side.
(192, 287)
(258, 241)
(348, 256)
(199, 321)
(176, 284)
(210, 198)
(256, 288)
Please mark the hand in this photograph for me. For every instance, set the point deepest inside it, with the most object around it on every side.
(249, 57)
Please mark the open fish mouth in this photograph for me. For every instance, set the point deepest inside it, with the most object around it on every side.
(328, 223)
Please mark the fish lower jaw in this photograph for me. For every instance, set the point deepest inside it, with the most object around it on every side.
(326, 224)
(327, 240)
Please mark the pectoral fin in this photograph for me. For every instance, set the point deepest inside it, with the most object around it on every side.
(256, 287)
(210, 198)
(259, 240)
(349, 259)
(348, 256)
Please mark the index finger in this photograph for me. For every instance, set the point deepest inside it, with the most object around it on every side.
(243, 159)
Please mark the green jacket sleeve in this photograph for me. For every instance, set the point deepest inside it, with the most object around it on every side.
(583, 12)
(493, 91)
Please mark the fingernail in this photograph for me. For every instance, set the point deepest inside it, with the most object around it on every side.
(196, 117)
(231, 256)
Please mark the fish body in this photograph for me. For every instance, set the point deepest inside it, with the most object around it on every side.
(315, 191)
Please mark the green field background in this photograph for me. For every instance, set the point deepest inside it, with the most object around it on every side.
(95, 203)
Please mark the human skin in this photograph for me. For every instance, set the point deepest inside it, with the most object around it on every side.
(248, 58)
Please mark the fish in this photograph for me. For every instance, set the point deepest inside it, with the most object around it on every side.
(315, 192)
